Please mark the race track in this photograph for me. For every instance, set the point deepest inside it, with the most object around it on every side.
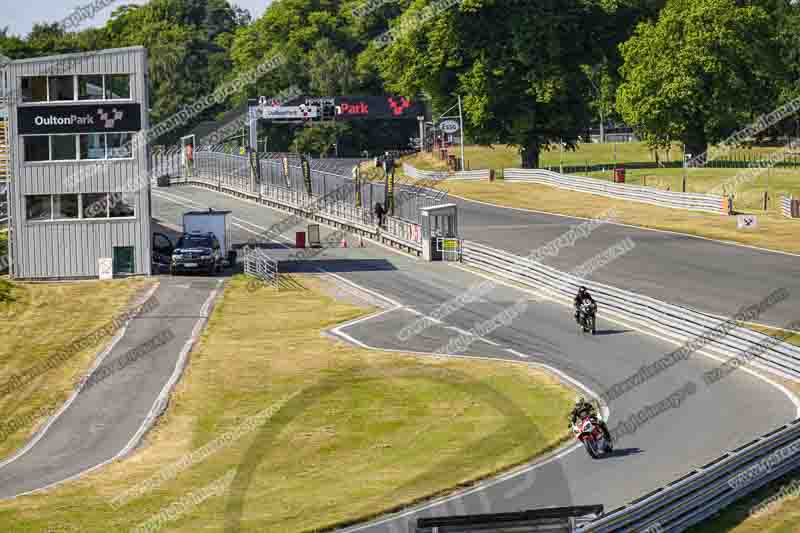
(709, 422)
(706, 275)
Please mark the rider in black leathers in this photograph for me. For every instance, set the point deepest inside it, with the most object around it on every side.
(583, 409)
(582, 295)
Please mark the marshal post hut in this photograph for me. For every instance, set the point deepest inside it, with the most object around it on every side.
(79, 186)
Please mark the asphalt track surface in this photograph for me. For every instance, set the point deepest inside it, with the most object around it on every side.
(708, 423)
(109, 416)
(703, 274)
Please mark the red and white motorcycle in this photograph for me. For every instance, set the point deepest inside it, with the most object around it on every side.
(590, 432)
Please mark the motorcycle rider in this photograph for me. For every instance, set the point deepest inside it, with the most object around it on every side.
(582, 296)
(585, 409)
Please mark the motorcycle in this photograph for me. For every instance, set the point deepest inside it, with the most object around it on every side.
(587, 314)
(591, 434)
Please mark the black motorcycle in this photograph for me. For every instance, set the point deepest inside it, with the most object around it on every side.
(587, 317)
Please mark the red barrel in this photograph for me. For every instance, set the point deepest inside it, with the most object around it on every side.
(619, 175)
(300, 239)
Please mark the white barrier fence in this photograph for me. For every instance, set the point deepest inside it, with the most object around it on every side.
(672, 199)
(707, 489)
(790, 207)
(466, 175)
(417, 174)
(472, 175)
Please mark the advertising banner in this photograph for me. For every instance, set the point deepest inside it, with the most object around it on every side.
(357, 179)
(106, 118)
(377, 108)
(290, 112)
(304, 162)
(389, 201)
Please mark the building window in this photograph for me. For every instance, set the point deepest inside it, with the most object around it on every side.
(37, 148)
(65, 206)
(34, 89)
(38, 207)
(119, 145)
(72, 88)
(118, 87)
(62, 88)
(122, 205)
(86, 206)
(95, 205)
(93, 146)
(63, 148)
(90, 88)
(90, 147)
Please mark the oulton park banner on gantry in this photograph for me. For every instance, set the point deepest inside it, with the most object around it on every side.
(377, 108)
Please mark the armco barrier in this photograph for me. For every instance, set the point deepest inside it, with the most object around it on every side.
(472, 175)
(672, 199)
(465, 175)
(679, 322)
(707, 489)
(790, 207)
(417, 174)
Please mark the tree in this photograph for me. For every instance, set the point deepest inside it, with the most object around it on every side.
(698, 73)
(516, 64)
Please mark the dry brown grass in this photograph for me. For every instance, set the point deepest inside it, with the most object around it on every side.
(371, 430)
(41, 321)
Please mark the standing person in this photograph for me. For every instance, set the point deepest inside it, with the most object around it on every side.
(379, 212)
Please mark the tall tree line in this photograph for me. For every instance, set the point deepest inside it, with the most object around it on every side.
(531, 73)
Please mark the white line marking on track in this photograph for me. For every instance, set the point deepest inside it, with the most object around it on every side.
(41, 433)
(482, 485)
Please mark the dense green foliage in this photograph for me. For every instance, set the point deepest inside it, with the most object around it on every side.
(531, 73)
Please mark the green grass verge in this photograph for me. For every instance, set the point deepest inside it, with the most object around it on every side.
(369, 430)
(38, 321)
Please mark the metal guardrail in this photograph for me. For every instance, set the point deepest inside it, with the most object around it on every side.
(790, 207)
(672, 199)
(680, 322)
(705, 490)
(472, 175)
(260, 265)
(417, 174)
(549, 519)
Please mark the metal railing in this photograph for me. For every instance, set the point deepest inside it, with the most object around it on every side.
(707, 489)
(672, 199)
(261, 266)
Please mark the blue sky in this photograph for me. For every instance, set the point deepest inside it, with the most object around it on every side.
(20, 16)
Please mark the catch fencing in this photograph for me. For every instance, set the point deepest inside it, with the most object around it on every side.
(235, 171)
(705, 490)
(790, 207)
(232, 175)
(676, 200)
